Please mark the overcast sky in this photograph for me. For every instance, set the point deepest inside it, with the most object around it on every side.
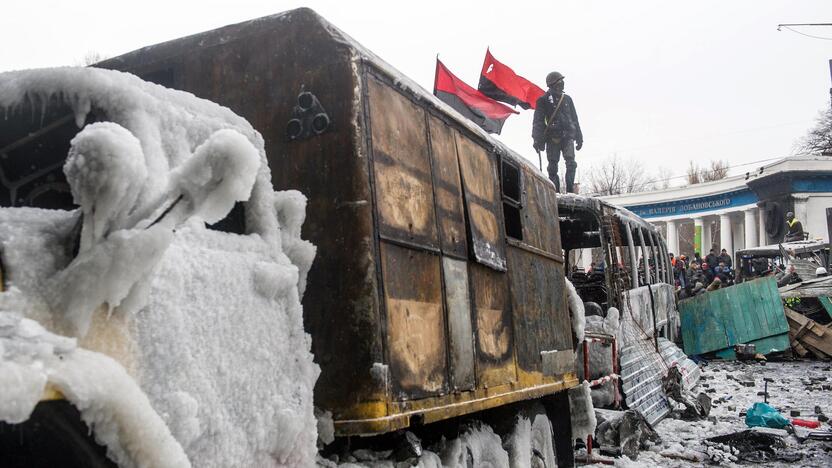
(657, 81)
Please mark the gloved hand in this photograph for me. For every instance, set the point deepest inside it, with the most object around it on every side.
(579, 144)
(539, 146)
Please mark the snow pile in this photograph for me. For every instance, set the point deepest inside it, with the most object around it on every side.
(576, 307)
(110, 402)
(209, 324)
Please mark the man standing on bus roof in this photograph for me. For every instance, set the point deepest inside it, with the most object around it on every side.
(555, 128)
(795, 232)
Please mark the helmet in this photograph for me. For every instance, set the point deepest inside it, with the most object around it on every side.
(790, 215)
(553, 78)
(821, 271)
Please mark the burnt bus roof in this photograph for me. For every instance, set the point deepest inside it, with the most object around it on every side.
(367, 57)
(572, 202)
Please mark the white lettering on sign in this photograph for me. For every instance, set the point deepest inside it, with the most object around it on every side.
(490, 67)
(695, 206)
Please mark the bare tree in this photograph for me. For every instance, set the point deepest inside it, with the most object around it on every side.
(716, 170)
(614, 177)
(819, 138)
(663, 178)
(90, 58)
(693, 173)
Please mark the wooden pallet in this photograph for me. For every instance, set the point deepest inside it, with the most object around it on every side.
(809, 337)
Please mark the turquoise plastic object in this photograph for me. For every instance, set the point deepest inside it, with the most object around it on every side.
(763, 415)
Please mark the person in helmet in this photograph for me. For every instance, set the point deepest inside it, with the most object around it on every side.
(555, 128)
(795, 229)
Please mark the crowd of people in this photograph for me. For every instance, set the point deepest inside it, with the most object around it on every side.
(697, 275)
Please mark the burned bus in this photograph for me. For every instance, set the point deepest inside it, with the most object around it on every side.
(629, 299)
(437, 290)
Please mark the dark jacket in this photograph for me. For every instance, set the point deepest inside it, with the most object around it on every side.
(712, 260)
(566, 124)
(696, 276)
(726, 259)
(795, 232)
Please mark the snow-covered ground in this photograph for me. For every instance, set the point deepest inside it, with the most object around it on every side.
(797, 385)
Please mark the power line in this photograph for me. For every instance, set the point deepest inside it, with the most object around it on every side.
(789, 27)
(808, 35)
(699, 138)
(685, 175)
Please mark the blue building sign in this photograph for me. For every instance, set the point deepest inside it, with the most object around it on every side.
(696, 205)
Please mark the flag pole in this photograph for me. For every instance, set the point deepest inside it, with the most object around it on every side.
(539, 161)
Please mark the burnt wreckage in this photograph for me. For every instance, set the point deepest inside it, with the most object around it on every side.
(438, 290)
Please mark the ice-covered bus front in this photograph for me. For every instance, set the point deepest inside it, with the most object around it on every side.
(134, 329)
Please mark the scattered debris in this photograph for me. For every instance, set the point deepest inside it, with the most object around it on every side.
(696, 407)
(763, 415)
(752, 445)
(626, 432)
(745, 351)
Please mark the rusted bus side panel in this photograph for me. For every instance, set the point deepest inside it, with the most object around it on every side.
(257, 70)
(415, 321)
(460, 332)
(482, 202)
(540, 221)
(403, 185)
(493, 327)
(447, 188)
(541, 318)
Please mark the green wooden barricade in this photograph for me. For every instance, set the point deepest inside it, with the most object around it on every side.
(747, 313)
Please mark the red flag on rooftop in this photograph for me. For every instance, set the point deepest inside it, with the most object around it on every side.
(499, 82)
(479, 108)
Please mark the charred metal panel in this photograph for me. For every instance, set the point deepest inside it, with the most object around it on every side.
(415, 322)
(495, 337)
(403, 184)
(482, 203)
(541, 318)
(540, 215)
(460, 333)
(257, 69)
(557, 362)
(447, 189)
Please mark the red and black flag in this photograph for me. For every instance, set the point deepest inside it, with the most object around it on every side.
(499, 82)
(479, 108)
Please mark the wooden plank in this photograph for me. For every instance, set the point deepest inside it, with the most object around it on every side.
(816, 338)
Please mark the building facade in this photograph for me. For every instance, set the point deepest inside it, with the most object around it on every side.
(747, 210)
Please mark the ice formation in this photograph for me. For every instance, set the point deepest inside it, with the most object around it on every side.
(582, 411)
(576, 308)
(105, 170)
(206, 326)
(109, 400)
